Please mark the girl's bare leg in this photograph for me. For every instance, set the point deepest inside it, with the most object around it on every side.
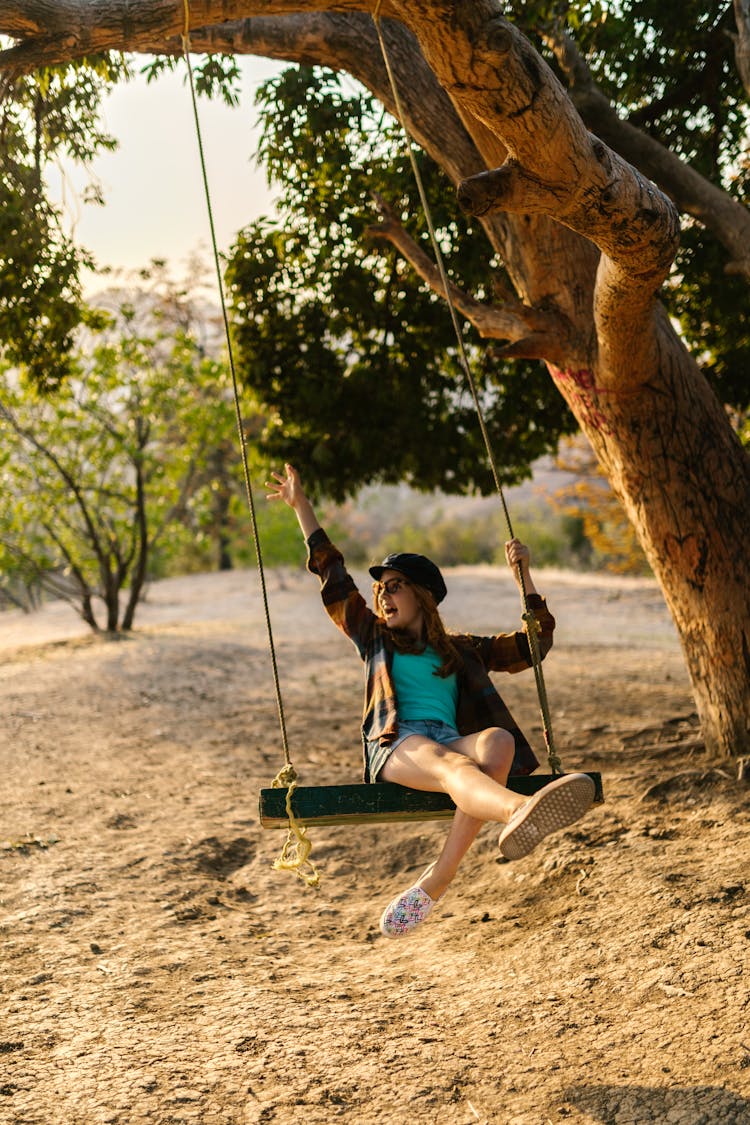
(428, 765)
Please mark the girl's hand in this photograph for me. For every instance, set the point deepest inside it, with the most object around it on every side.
(517, 554)
(287, 488)
(519, 559)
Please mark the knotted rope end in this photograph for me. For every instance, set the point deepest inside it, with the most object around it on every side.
(295, 854)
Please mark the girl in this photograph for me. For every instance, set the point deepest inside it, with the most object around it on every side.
(432, 718)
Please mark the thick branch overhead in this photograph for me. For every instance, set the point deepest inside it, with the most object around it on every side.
(690, 191)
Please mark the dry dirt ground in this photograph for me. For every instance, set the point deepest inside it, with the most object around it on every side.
(156, 968)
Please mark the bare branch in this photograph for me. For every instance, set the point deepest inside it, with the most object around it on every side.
(534, 334)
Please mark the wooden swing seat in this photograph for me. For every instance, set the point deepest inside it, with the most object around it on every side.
(379, 803)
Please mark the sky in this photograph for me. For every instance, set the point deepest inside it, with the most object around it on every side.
(155, 206)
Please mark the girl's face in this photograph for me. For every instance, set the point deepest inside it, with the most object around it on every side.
(398, 603)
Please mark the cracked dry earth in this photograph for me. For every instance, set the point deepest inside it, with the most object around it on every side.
(156, 969)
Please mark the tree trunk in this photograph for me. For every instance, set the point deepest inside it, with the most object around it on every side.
(222, 498)
(87, 611)
(742, 41)
(684, 481)
(139, 570)
(112, 604)
(586, 240)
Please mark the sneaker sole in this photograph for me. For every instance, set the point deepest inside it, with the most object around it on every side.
(559, 804)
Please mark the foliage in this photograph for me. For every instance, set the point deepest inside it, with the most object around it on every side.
(103, 482)
(352, 357)
(57, 112)
(590, 502)
(19, 585)
(455, 541)
(713, 312)
(217, 76)
(54, 112)
(668, 64)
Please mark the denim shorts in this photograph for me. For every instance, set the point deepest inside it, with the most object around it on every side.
(428, 728)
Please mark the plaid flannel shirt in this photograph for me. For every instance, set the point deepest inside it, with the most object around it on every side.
(479, 704)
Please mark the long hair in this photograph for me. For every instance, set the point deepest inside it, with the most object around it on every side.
(434, 634)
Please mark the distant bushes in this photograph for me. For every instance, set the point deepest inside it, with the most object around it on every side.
(553, 540)
(382, 521)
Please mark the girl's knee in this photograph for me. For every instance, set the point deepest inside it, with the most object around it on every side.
(495, 750)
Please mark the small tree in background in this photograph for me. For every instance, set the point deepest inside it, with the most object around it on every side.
(106, 482)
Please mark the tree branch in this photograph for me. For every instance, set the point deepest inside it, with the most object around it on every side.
(556, 167)
(494, 77)
(26, 434)
(456, 140)
(88, 27)
(534, 334)
(694, 195)
(349, 42)
(611, 190)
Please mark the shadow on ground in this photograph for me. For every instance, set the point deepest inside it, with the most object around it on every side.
(691, 1105)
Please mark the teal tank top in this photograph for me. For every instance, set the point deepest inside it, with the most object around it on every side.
(420, 693)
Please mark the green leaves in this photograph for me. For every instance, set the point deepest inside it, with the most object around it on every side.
(52, 113)
(40, 294)
(668, 66)
(216, 76)
(714, 316)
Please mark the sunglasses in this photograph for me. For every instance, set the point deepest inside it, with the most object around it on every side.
(392, 586)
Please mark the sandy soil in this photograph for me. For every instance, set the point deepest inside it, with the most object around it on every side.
(156, 968)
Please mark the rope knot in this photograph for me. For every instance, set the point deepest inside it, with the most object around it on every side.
(286, 778)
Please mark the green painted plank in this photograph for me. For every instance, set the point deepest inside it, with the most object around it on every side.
(378, 803)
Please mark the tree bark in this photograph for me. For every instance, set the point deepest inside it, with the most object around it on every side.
(742, 41)
(586, 240)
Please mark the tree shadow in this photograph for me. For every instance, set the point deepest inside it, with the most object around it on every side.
(697, 1105)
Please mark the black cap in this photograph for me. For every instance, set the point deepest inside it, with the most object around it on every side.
(416, 567)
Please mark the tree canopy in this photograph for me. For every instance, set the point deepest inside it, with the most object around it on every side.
(661, 82)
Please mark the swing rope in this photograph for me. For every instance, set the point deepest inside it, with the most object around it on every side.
(295, 854)
(530, 622)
